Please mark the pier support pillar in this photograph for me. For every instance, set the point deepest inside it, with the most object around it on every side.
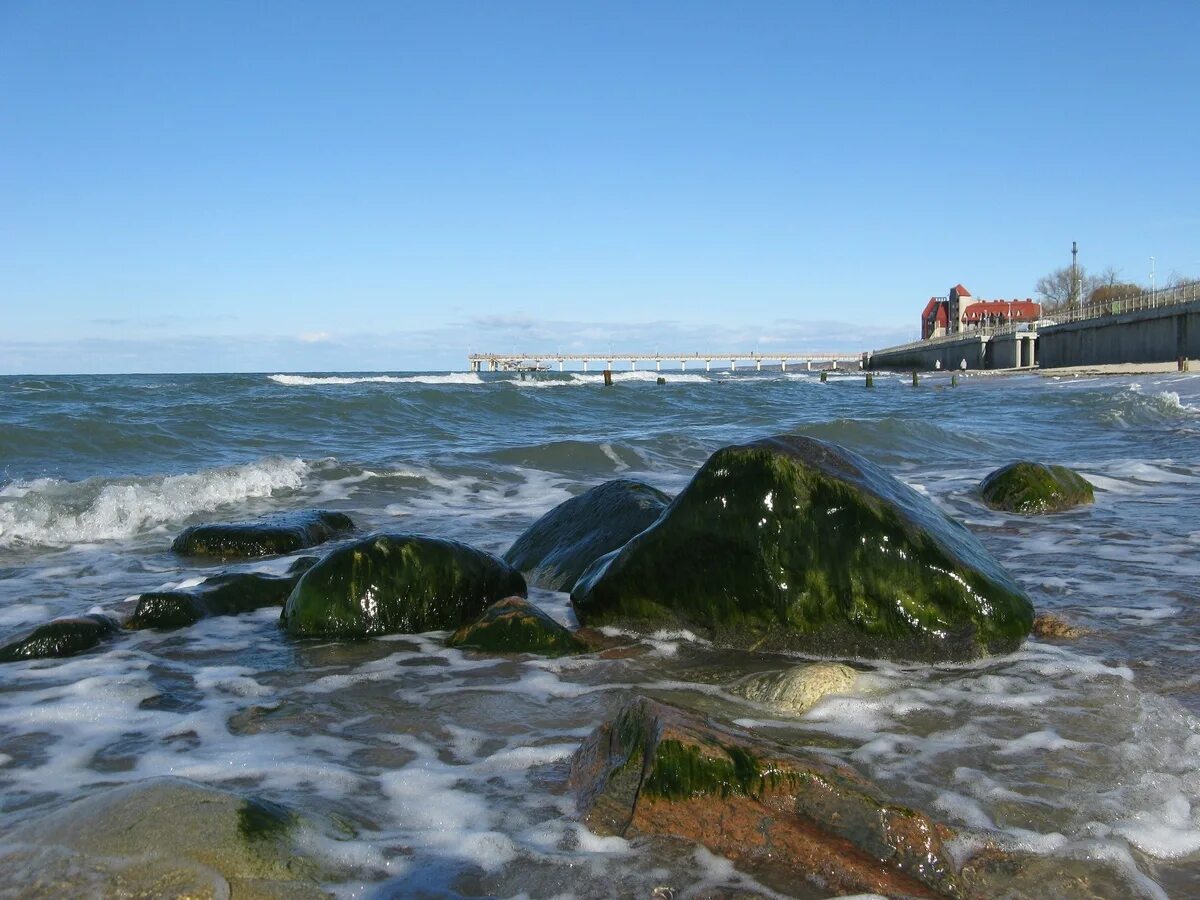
(633, 365)
(560, 365)
(658, 365)
(758, 365)
(708, 365)
(783, 365)
(683, 365)
(585, 362)
(733, 365)
(808, 365)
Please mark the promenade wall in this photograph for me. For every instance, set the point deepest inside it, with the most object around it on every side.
(1145, 336)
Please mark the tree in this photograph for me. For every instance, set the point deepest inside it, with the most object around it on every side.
(1059, 288)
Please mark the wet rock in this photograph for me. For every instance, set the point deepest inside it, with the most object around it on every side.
(62, 637)
(162, 837)
(795, 544)
(397, 584)
(227, 594)
(1031, 488)
(784, 816)
(554, 551)
(267, 536)
(1055, 627)
(514, 625)
(797, 690)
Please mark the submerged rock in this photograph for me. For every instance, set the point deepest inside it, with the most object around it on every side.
(798, 689)
(1055, 627)
(554, 551)
(1030, 488)
(227, 594)
(786, 817)
(397, 584)
(514, 625)
(163, 837)
(62, 637)
(792, 543)
(267, 536)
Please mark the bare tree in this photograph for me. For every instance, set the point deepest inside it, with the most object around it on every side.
(1059, 288)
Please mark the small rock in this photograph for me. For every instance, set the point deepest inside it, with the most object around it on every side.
(1055, 627)
(62, 637)
(267, 536)
(514, 625)
(554, 551)
(797, 690)
(1031, 488)
(226, 594)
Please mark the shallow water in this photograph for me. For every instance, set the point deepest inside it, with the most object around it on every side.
(444, 770)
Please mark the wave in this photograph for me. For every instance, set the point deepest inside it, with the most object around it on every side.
(53, 512)
(308, 380)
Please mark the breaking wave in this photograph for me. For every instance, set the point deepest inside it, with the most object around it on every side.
(309, 380)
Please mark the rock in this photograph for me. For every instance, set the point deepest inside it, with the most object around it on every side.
(163, 837)
(226, 594)
(784, 816)
(267, 536)
(795, 544)
(1030, 488)
(554, 551)
(1055, 627)
(62, 637)
(514, 625)
(397, 584)
(798, 689)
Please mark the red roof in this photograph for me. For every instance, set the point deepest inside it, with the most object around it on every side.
(960, 291)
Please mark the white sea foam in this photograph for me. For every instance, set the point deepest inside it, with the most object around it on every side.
(309, 380)
(61, 513)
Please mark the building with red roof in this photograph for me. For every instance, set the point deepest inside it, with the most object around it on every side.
(959, 311)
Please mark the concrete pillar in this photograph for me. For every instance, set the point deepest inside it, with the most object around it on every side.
(608, 366)
(585, 362)
(733, 365)
(683, 365)
(633, 365)
(1033, 351)
(708, 365)
(560, 365)
(808, 364)
(658, 365)
(783, 365)
(758, 365)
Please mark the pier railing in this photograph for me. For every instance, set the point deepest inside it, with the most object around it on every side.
(1173, 295)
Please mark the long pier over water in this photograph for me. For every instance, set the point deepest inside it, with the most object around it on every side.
(505, 362)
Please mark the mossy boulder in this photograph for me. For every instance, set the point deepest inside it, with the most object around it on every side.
(786, 816)
(271, 535)
(164, 837)
(555, 550)
(397, 584)
(1031, 488)
(514, 625)
(226, 594)
(795, 544)
(62, 637)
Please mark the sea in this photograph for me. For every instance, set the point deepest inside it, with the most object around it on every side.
(427, 771)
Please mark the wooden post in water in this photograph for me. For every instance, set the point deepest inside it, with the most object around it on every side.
(916, 378)
(608, 377)
(660, 380)
(953, 381)
(870, 380)
(824, 377)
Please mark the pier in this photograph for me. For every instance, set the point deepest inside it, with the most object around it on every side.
(512, 362)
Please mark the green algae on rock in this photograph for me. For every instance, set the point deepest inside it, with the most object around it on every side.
(782, 814)
(795, 544)
(397, 584)
(267, 536)
(555, 550)
(62, 637)
(514, 625)
(225, 594)
(1031, 488)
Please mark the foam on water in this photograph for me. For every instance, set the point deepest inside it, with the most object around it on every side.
(59, 513)
(311, 380)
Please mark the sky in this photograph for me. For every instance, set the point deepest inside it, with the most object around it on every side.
(291, 186)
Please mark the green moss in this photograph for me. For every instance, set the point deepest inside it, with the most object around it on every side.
(515, 625)
(224, 594)
(60, 638)
(680, 771)
(1031, 488)
(261, 820)
(397, 584)
(795, 544)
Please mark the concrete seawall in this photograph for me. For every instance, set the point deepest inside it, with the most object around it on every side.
(1006, 351)
(1146, 336)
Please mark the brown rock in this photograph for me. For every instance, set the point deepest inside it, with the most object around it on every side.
(658, 770)
(1049, 625)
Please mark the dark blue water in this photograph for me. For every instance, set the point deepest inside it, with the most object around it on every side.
(1084, 751)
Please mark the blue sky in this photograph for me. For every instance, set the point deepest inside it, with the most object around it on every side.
(327, 186)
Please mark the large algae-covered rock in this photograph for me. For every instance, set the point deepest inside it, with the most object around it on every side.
(163, 837)
(62, 637)
(226, 594)
(791, 543)
(397, 584)
(1030, 488)
(788, 817)
(514, 625)
(267, 536)
(554, 551)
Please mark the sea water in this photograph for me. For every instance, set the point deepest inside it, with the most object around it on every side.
(444, 770)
